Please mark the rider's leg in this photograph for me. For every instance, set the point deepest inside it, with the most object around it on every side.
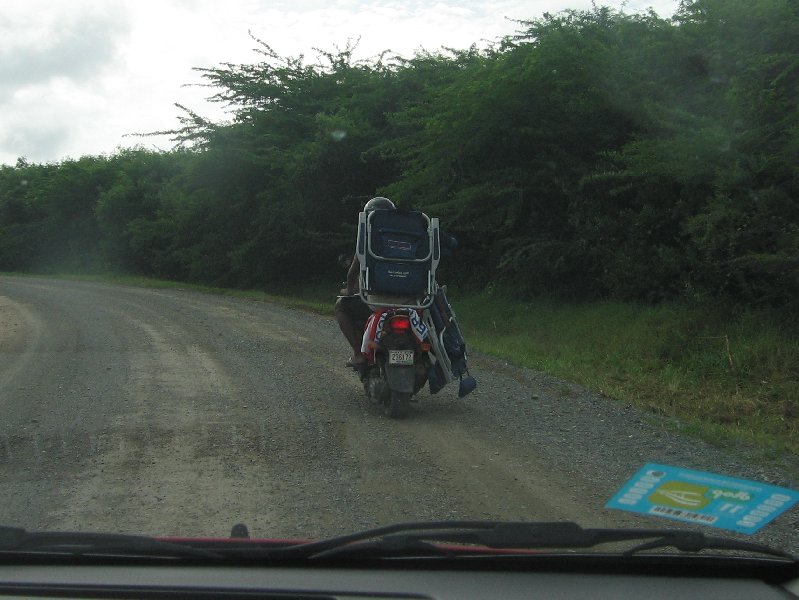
(351, 332)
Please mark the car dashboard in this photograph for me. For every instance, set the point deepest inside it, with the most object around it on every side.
(290, 583)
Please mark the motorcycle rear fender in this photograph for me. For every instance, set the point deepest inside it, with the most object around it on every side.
(401, 378)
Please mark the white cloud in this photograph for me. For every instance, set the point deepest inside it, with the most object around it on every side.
(37, 46)
(76, 76)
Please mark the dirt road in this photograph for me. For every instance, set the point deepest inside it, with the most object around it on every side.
(174, 412)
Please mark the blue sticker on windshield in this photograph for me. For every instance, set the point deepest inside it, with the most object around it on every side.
(703, 498)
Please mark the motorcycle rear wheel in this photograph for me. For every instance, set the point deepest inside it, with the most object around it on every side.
(396, 407)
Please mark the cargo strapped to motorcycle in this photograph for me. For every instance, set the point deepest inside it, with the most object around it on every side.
(449, 347)
(399, 252)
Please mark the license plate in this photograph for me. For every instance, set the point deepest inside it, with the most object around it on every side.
(400, 357)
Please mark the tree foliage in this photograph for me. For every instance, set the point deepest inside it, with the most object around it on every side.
(592, 154)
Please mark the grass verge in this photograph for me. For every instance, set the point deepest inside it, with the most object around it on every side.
(733, 381)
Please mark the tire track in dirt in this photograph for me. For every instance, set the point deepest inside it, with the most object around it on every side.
(20, 332)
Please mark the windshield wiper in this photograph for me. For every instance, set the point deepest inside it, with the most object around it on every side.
(392, 541)
(409, 538)
(16, 540)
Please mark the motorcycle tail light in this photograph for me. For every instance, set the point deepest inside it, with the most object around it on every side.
(400, 324)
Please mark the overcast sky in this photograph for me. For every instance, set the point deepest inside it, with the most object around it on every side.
(76, 76)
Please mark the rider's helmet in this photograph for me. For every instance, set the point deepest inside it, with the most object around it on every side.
(378, 203)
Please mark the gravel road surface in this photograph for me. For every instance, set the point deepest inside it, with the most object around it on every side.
(172, 412)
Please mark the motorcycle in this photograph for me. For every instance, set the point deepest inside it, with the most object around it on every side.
(408, 348)
(412, 337)
(398, 361)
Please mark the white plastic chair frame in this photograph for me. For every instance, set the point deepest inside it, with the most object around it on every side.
(363, 248)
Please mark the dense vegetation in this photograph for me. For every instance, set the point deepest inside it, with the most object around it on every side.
(592, 155)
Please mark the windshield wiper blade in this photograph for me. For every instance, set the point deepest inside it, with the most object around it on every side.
(402, 538)
(695, 541)
(398, 540)
(17, 540)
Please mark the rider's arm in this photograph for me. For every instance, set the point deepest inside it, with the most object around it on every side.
(448, 243)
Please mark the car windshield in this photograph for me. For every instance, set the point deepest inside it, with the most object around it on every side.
(308, 268)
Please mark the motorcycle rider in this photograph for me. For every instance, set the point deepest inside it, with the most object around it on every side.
(350, 311)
